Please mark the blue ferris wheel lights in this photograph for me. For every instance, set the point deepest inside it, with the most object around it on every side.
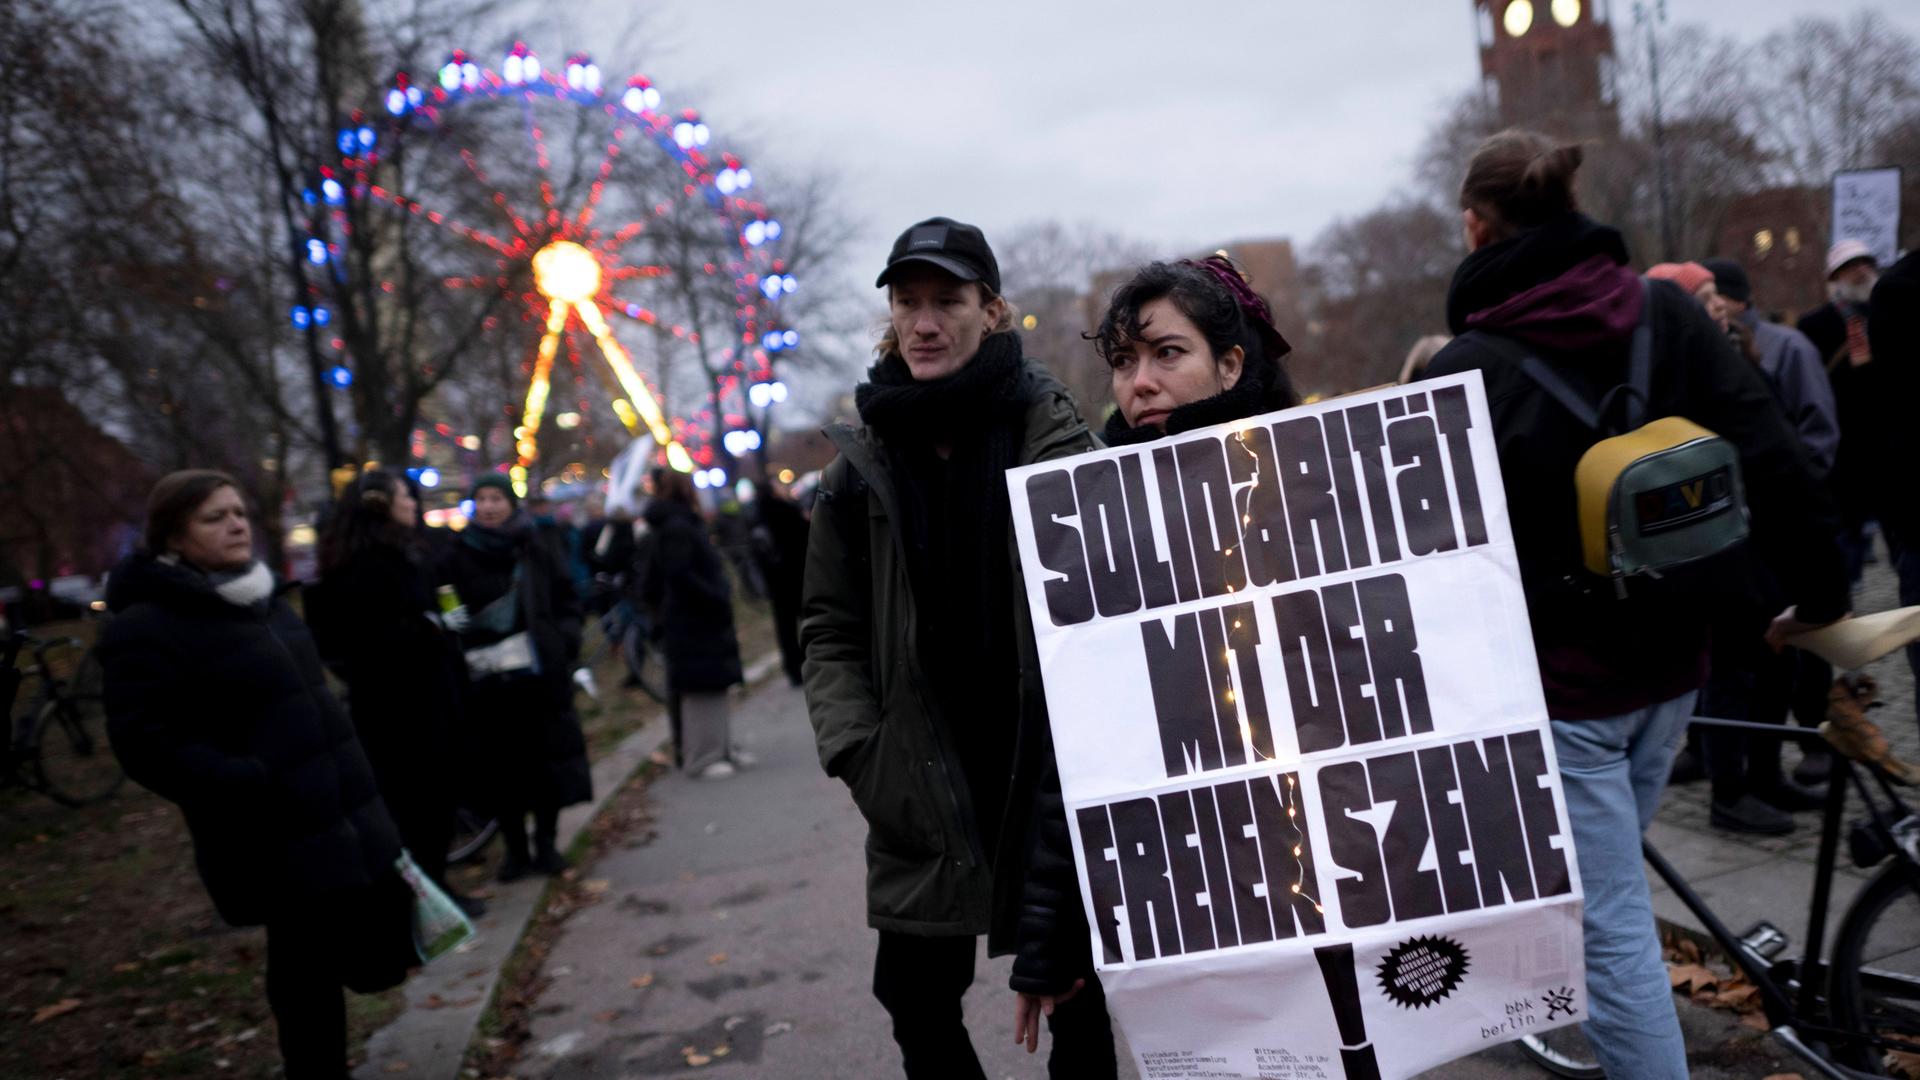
(340, 376)
(316, 252)
(755, 233)
(790, 339)
(334, 193)
(321, 316)
(366, 137)
(347, 143)
(773, 230)
(301, 316)
(770, 286)
(583, 75)
(397, 101)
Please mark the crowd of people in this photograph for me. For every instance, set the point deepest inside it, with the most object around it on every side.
(458, 657)
(900, 608)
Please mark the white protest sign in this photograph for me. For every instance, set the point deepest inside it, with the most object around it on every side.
(1303, 746)
(1866, 207)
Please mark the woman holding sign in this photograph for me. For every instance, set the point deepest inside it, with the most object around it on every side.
(1190, 345)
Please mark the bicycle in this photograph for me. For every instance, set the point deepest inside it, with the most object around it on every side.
(58, 743)
(1842, 1014)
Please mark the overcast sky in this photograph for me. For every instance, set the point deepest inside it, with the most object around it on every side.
(1181, 122)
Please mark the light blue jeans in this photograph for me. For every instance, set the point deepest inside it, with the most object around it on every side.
(1613, 772)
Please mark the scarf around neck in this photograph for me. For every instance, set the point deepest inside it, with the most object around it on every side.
(501, 542)
(249, 587)
(985, 390)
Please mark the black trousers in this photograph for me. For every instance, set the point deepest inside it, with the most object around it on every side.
(304, 990)
(920, 981)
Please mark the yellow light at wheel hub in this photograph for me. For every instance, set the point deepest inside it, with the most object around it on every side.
(563, 270)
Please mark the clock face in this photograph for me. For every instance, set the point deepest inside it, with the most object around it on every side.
(1566, 12)
(1519, 18)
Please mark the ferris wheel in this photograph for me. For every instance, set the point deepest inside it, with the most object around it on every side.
(568, 241)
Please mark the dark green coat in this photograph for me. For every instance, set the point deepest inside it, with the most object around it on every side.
(873, 716)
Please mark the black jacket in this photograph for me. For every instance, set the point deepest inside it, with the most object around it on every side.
(1600, 656)
(225, 710)
(536, 754)
(685, 587)
(372, 617)
(1893, 331)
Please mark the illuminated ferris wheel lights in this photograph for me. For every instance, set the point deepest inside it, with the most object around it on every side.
(331, 190)
(755, 233)
(316, 252)
(396, 101)
(583, 75)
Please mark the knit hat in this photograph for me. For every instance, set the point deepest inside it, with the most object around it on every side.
(1845, 252)
(1689, 276)
(495, 480)
(1731, 278)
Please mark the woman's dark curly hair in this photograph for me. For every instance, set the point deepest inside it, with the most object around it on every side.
(1220, 316)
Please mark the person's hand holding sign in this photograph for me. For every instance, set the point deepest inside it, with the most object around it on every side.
(1029, 1008)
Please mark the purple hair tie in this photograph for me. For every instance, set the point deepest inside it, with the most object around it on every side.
(1222, 270)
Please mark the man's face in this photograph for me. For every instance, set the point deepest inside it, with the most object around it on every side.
(1853, 283)
(939, 320)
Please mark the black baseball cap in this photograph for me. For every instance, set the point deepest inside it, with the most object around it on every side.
(956, 247)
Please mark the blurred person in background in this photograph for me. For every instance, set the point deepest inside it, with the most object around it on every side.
(686, 592)
(380, 626)
(521, 640)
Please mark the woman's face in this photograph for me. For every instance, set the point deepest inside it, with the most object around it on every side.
(491, 507)
(217, 536)
(406, 508)
(1168, 366)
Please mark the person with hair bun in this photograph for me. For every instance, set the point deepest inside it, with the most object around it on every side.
(1620, 674)
(380, 627)
(216, 701)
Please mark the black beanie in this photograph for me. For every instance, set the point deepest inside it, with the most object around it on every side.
(495, 480)
(1731, 279)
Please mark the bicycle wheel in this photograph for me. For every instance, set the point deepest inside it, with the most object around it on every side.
(1563, 1052)
(72, 761)
(471, 831)
(1875, 983)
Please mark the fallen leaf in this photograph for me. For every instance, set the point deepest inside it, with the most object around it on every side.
(717, 959)
(733, 1022)
(595, 886)
(1738, 996)
(434, 1001)
(1690, 977)
(641, 982)
(1783, 1076)
(697, 1060)
(722, 1050)
(122, 969)
(607, 1017)
(1756, 1020)
(778, 1027)
(58, 1008)
(396, 1066)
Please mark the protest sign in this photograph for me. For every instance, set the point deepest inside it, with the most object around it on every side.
(1302, 741)
(1866, 207)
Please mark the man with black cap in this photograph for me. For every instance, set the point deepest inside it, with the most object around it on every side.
(921, 677)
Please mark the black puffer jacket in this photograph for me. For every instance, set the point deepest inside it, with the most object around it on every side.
(225, 710)
(685, 587)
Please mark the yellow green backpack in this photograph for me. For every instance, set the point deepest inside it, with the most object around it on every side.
(1653, 497)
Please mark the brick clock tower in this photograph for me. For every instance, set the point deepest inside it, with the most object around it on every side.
(1548, 64)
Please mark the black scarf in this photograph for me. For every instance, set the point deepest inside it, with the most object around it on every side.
(1258, 390)
(501, 544)
(955, 524)
(1501, 270)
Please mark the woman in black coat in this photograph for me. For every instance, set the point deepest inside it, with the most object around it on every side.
(522, 638)
(1189, 345)
(216, 700)
(687, 591)
(380, 626)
